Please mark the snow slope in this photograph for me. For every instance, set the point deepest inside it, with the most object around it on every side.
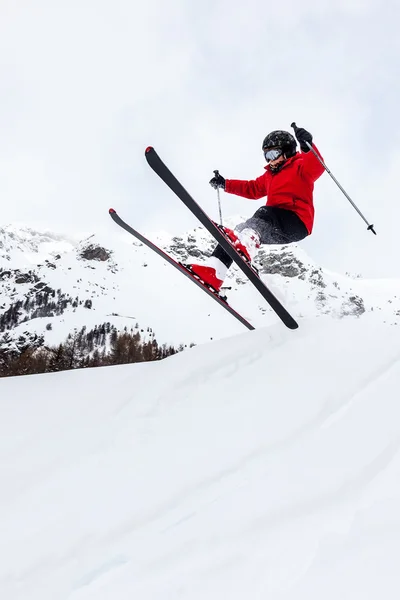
(265, 465)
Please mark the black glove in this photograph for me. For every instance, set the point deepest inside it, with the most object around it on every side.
(217, 182)
(303, 136)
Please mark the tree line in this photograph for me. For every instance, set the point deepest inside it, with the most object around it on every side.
(104, 345)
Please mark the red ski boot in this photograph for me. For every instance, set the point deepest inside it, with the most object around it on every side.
(246, 242)
(211, 273)
(207, 275)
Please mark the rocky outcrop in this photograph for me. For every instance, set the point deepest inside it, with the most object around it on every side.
(94, 252)
(282, 262)
(353, 306)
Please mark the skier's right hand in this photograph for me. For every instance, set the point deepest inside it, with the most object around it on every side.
(217, 182)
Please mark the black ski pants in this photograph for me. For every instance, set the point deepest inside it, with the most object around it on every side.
(274, 226)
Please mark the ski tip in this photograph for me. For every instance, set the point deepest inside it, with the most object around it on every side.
(112, 211)
(148, 149)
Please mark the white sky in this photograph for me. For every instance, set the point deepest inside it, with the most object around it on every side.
(86, 85)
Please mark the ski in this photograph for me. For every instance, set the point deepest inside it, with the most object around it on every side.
(220, 299)
(165, 174)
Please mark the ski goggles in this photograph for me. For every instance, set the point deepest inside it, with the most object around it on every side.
(272, 154)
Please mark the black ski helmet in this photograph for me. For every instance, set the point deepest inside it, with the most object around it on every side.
(280, 139)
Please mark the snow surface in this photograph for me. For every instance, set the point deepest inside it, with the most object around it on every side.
(265, 465)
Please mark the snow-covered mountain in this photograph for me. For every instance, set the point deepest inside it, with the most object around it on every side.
(262, 466)
(51, 284)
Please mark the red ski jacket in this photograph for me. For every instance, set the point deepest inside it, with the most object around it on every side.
(291, 188)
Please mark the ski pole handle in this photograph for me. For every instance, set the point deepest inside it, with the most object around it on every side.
(308, 144)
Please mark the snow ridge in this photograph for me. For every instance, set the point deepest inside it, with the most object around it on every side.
(113, 278)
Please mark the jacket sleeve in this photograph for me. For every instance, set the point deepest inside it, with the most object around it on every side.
(311, 165)
(253, 190)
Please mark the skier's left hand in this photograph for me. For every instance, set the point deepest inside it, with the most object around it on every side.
(303, 136)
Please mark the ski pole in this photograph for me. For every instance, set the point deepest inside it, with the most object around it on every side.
(370, 226)
(216, 173)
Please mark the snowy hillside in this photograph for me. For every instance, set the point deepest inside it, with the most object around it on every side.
(52, 284)
(265, 465)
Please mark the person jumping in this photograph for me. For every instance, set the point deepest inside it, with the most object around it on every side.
(288, 216)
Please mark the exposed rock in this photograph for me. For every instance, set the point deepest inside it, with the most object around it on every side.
(178, 246)
(29, 277)
(320, 299)
(280, 263)
(93, 252)
(316, 278)
(19, 277)
(192, 250)
(5, 275)
(353, 306)
(186, 249)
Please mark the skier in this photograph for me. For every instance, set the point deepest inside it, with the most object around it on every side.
(288, 216)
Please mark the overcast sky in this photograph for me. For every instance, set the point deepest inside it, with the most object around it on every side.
(86, 85)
